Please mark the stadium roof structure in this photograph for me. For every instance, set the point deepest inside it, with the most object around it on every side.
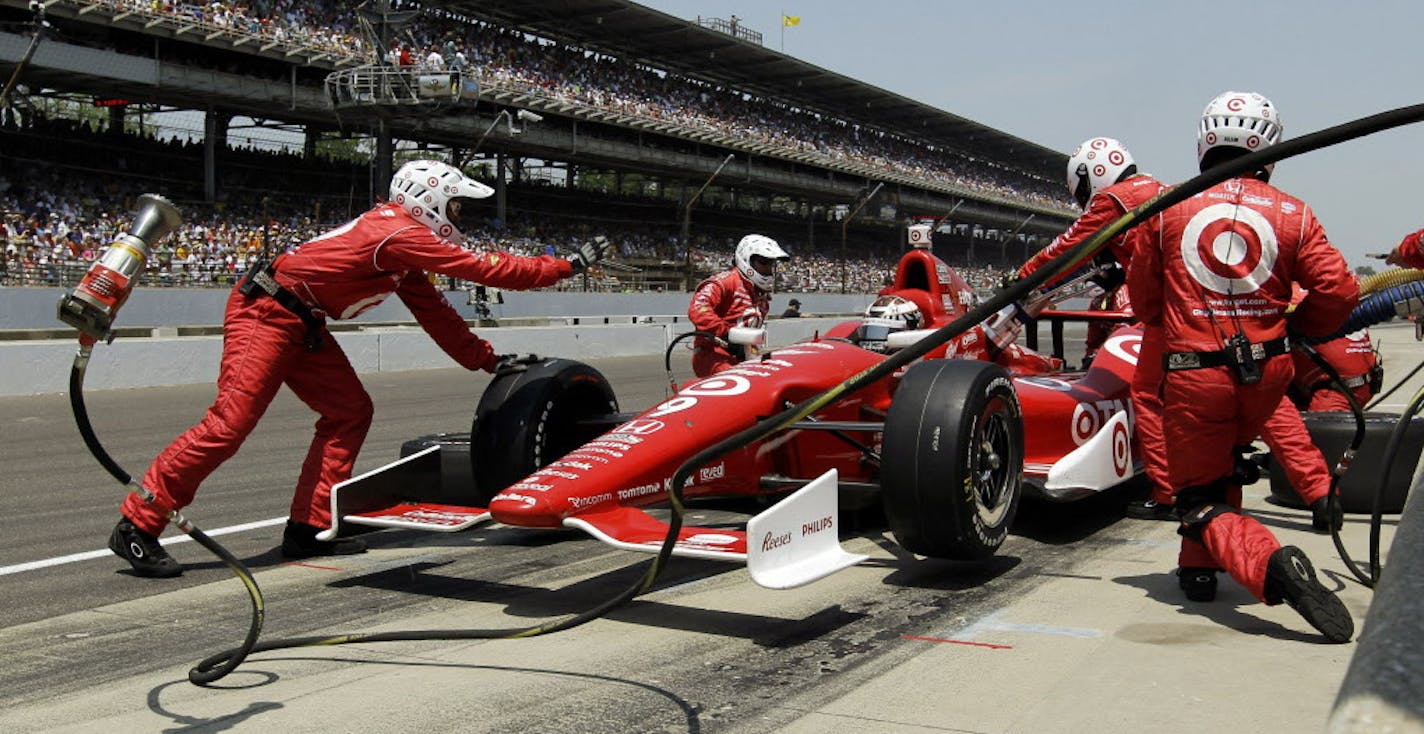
(628, 30)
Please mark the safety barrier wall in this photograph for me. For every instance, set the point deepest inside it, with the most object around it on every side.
(34, 308)
(42, 366)
(1381, 690)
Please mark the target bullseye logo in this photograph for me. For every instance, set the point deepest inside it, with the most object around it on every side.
(1115, 157)
(1229, 249)
(1085, 423)
(1121, 449)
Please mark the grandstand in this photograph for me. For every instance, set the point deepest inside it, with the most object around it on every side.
(588, 116)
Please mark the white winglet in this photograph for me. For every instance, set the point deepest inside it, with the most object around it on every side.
(795, 542)
(1103, 461)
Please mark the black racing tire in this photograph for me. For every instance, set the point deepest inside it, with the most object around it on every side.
(528, 419)
(457, 481)
(952, 460)
(1332, 432)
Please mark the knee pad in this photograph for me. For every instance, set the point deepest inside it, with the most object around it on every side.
(1189, 498)
(1195, 519)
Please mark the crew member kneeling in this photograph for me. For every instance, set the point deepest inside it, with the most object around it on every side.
(1215, 272)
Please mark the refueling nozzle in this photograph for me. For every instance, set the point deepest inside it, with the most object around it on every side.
(93, 304)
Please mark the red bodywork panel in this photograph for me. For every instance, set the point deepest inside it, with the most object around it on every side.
(632, 465)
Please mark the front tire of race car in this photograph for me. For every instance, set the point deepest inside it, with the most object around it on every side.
(530, 418)
(952, 462)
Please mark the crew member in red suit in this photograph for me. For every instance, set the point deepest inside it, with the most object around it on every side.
(1103, 177)
(737, 297)
(1215, 273)
(274, 333)
(1353, 357)
(1285, 433)
(1409, 253)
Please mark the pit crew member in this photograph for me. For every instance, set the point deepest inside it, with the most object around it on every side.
(274, 333)
(740, 296)
(1215, 273)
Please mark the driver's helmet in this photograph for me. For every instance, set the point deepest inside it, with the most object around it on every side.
(437, 194)
(887, 315)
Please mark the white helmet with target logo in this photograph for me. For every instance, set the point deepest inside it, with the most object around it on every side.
(1097, 164)
(756, 259)
(432, 192)
(1243, 120)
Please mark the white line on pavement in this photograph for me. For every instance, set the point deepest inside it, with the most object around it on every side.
(89, 555)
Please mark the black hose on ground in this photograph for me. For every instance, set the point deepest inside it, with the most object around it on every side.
(199, 675)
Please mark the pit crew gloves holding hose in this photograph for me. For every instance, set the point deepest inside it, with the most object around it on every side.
(1222, 312)
(268, 341)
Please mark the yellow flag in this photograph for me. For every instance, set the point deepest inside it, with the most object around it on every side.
(790, 20)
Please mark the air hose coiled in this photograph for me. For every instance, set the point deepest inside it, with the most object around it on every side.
(1377, 308)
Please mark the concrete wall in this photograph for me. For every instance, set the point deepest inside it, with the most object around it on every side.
(34, 308)
(42, 366)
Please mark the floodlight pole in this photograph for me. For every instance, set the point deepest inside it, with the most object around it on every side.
(687, 220)
(845, 223)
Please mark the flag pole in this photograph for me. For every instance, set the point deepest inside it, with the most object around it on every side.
(783, 30)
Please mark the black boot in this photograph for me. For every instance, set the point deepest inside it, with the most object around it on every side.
(1199, 584)
(1290, 578)
(1150, 509)
(1322, 520)
(299, 541)
(142, 551)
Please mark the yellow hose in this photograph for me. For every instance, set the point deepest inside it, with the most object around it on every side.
(1389, 279)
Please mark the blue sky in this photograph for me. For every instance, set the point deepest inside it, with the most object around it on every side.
(1056, 73)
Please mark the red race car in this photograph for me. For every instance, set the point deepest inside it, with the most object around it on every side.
(948, 444)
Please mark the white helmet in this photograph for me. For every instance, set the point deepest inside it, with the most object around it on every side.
(886, 315)
(1097, 164)
(425, 189)
(1244, 120)
(756, 245)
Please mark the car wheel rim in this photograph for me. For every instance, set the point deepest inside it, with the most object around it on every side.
(990, 468)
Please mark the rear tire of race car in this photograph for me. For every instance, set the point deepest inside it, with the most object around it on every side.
(952, 463)
(528, 419)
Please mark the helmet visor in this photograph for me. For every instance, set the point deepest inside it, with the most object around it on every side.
(763, 265)
(460, 211)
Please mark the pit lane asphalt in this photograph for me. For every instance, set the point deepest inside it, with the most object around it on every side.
(1076, 626)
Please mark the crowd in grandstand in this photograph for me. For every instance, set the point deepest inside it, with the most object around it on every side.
(64, 199)
(502, 57)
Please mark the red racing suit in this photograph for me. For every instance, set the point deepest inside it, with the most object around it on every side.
(338, 275)
(1410, 250)
(1106, 206)
(1217, 265)
(721, 302)
(1353, 357)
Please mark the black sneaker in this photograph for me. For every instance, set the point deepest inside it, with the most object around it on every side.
(1290, 578)
(299, 541)
(1150, 509)
(1199, 584)
(142, 551)
(1322, 520)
